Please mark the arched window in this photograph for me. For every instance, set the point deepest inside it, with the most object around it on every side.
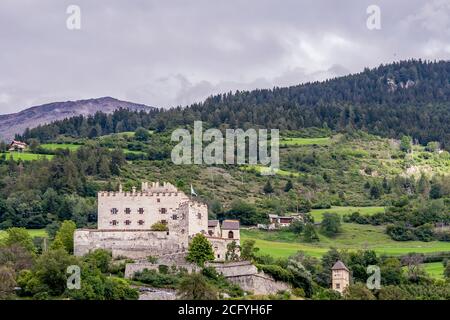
(230, 235)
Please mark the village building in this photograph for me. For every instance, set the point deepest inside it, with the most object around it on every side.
(125, 221)
(277, 222)
(17, 146)
(280, 220)
(340, 277)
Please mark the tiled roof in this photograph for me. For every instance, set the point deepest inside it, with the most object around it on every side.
(213, 223)
(339, 265)
(230, 224)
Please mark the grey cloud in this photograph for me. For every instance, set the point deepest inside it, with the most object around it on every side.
(168, 53)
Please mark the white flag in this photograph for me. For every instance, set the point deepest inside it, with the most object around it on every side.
(193, 193)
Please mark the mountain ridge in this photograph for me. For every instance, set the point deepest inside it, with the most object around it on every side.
(16, 123)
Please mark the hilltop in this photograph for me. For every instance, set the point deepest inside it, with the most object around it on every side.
(16, 123)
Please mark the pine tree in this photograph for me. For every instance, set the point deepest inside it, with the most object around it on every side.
(288, 186)
(268, 187)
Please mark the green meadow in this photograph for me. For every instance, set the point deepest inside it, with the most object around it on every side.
(282, 244)
(434, 269)
(304, 141)
(33, 233)
(55, 146)
(26, 156)
(318, 213)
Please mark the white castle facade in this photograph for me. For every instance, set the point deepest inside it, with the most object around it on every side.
(125, 221)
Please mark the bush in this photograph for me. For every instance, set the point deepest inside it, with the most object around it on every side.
(159, 226)
(100, 259)
(331, 224)
(156, 279)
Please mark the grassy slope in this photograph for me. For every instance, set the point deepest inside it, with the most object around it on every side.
(304, 141)
(353, 237)
(318, 213)
(55, 146)
(25, 156)
(33, 233)
(434, 269)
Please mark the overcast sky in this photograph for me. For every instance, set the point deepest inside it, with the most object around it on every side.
(168, 53)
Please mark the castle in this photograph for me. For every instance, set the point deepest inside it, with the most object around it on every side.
(126, 224)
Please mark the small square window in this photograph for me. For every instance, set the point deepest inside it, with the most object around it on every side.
(163, 210)
(141, 210)
(114, 222)
(141, 222)
(127, 210)
(114, 211)
(127, 222)
(174, 217)
(158, 200)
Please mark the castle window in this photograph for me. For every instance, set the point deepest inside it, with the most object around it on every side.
(199, 215)
(141, 222)
(114, 222)
(174, 217)
(141, 210)
(127, 210)
(210, 232)
(338, 285)
(127, 222)
(230, 235)
(164, 221)
(114, 211)
(158, 200)
(163, 210)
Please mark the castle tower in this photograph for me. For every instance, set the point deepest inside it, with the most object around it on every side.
(340, 277)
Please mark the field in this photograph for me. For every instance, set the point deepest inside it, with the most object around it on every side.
(434, 269)
(25, 156)
(74, 147)
(353, 237)
(318, 213)
(55, 146)
(33, 232)
(304, 141)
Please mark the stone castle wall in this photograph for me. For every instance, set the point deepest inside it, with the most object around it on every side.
(125, 220)
(247, 276)
(128, 243)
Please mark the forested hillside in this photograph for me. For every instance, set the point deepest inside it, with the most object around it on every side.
(405, 98)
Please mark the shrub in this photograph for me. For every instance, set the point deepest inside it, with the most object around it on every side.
(159, 226)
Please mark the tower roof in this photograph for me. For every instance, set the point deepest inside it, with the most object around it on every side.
(230, 225)
(339, 265)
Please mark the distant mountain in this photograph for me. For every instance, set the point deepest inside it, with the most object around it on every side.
(10, 124)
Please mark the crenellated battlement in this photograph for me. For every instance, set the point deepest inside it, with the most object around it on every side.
(138, 194)
(126, 219)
